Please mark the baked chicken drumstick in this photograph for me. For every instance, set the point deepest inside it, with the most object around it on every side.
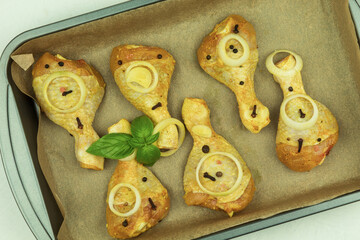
(143, 75)
(307, 130)
(70, 92)
(136, 200)
(229, 54)
(215, 175)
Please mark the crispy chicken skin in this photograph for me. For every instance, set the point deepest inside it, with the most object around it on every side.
(79, 122)
(239, 79)
(153, 103)
(147, 184)
(317, 140)
(195, 112)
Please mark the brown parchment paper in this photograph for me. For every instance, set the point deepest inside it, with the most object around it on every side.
(321, 31)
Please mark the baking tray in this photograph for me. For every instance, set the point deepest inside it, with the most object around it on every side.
(19, 120)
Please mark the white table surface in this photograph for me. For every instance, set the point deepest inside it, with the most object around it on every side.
(17, 16)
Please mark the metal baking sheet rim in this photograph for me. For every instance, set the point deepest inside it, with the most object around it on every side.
(40, 227)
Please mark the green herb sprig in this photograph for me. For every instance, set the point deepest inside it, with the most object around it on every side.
(122, 145)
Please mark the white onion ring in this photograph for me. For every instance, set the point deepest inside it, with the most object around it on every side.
(299, 125)
(281, 72)
(155, 79)
(163, 124)
(232, 61)
(79, 81)
(112, 196)
(237, 182)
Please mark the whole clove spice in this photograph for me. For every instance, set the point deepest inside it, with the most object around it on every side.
(302, 115)
(80, 125)
(206, 175)
(156, 106)
(253, 114)
(300, 140)
(153, 207)
(66, 92)
(236, 30)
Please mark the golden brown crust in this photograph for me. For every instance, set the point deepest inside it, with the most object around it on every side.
(90, 166)
(117, 230)
(206, 200)
(129, 53)
(309, 156)
(79, 67)
(210, 42)
(132, 172)
(121, 58)
(86, 135)
(195, 112)
(239, 79)
(325, 129)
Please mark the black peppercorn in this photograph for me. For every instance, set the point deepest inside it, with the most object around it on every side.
(219, 174)
(205, 149)
(159, 56)
(144, 179)
(291, 89)
(241, 82)
(61, 64)
(231, 46)
(319, 139)
(208, 57)
(235, 50)
(47, 66)
(125, 223)
(119, 62)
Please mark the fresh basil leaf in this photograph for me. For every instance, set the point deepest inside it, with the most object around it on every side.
(148, 155)
(142, 127)
(137, 142)
(117, 152)
(151, 139)
(113, 146)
